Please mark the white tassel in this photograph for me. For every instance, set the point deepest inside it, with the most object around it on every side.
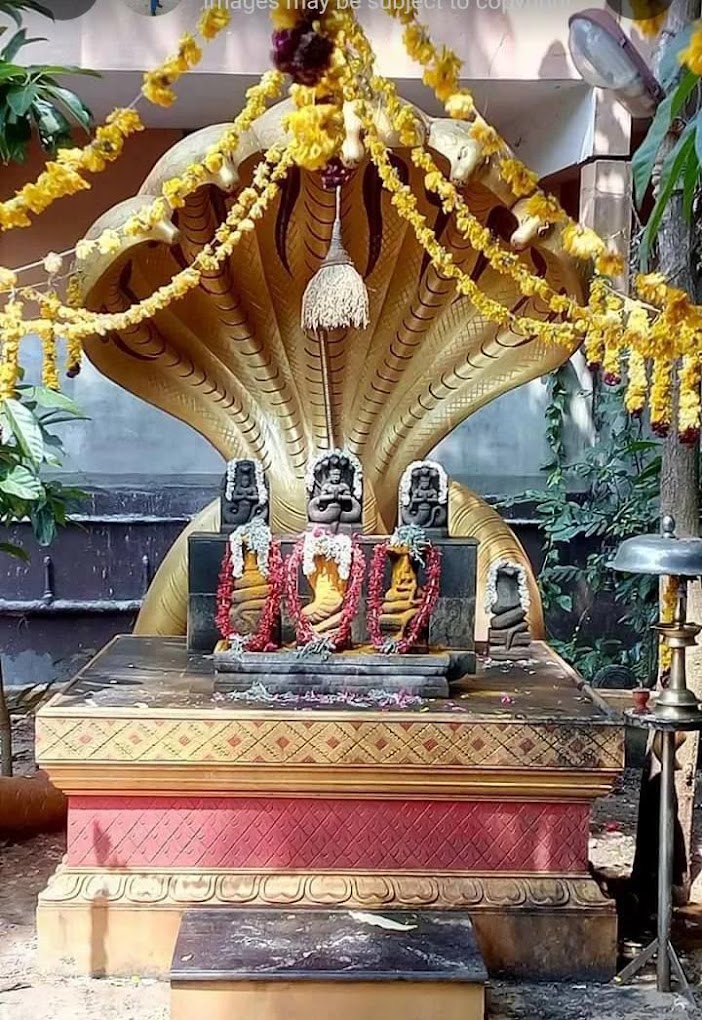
(336, 297)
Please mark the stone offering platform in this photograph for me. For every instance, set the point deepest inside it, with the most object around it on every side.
(183, 798)
(352, 965)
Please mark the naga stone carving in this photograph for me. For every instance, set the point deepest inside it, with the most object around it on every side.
(424, 496)
(507, 603)
(244, 494)
(403, 598)
(335, 491)
(250, 546)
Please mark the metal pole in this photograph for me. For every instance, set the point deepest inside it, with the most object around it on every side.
(665, 858)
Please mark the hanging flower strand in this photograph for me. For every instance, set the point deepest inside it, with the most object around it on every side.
(63, 176)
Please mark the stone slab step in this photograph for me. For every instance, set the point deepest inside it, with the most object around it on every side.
(347, 965)
(421, 675)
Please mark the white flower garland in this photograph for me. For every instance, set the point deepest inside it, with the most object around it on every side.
(522, 584)
(255, 536)
(406, 480)
(331, 547)
(261, 489)
(353, 460)
(410, 537)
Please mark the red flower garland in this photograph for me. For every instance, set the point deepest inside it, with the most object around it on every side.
(376, 595)
(306, 635)
(262, 639)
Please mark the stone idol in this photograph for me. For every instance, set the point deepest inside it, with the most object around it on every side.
(424, 496)
(334, 485)
(244, 494)
(507, 603)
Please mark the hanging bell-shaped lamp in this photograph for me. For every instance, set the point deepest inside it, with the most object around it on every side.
(336, 297)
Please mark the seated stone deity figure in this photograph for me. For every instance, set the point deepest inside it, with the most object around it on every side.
(244, 494)
(508, 601)
(424, 496)
(403, 597)
(334, 491)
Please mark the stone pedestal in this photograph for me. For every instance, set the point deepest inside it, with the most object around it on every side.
(179, 800)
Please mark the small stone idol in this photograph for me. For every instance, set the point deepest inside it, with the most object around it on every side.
(507, 601)
(424, 496)
(244, 494)
(335, 491)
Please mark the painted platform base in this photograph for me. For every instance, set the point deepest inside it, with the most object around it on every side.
(123, 923)
(180, 799)
(422, 676)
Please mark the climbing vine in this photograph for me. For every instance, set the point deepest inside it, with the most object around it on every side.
(589, 504)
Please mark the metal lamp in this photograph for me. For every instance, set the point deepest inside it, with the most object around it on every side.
(607, 59)
(667, 556)
(677, 708)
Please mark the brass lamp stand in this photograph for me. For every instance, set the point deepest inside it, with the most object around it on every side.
(677, 709)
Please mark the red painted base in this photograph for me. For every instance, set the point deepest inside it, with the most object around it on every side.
(301, 833)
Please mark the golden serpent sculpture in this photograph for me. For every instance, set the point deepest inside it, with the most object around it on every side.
(232, 360)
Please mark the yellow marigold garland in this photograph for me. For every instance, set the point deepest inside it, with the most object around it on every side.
(213, 21)
(62, 177)
(659, 400)
(11, 333)
(159, 82)
(689, 398)
(405, 202)
(176, 190)
(48, 309)
(521, 180)
(250, 205)
(503, 260)
(637, 384)
(487, 138)
(317, 134)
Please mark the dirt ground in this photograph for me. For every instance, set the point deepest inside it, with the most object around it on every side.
(28, 994)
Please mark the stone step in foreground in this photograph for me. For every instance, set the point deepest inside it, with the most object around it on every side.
(346, 965)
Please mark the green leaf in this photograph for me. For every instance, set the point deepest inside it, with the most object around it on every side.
(59, 417)
(26, 430)
(43, 524)
(669, 66)
(644, 158)
(52, 398)
(18, 40)
(20, 99)
(698, 137)
(50, 123)
(673, 167)
(23, 483)
(70, 101)
(14, 550)
(8, 71)
(691, 176)
(48, 69)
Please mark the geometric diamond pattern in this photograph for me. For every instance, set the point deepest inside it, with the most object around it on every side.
(314, 739)
(324, 834)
